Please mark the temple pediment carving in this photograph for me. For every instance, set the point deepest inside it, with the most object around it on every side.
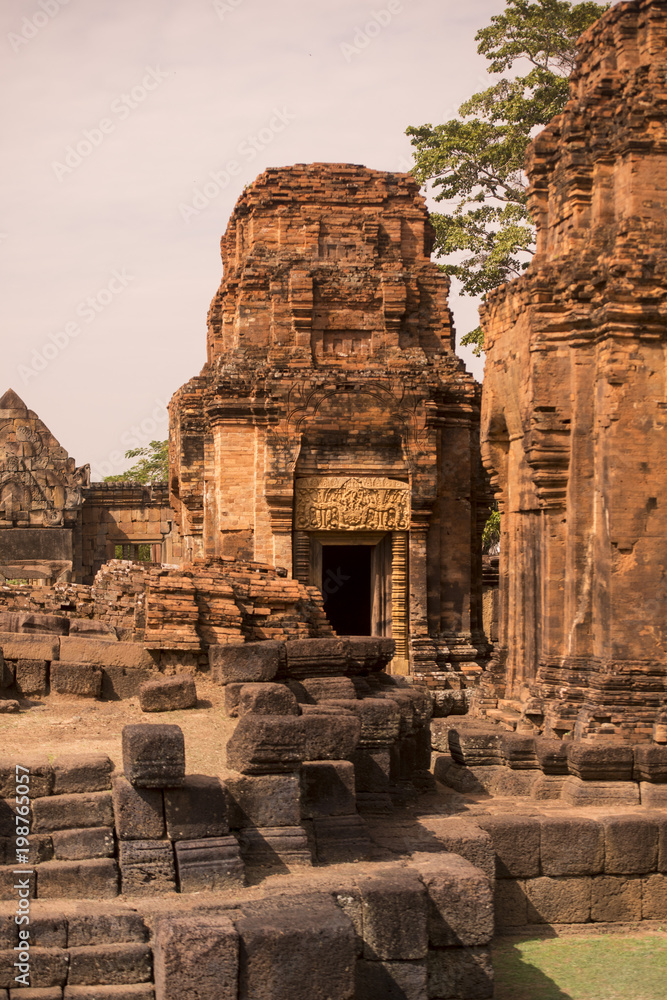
(40, 485)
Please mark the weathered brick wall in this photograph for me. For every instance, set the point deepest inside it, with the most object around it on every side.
(115, 602)
(119, 592)
(66, 599)
(574, 398)
(169, 609)
(126, 515)
(228, 600)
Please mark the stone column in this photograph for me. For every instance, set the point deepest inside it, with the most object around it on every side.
(418, 573)
(454, 515)
(400, 624)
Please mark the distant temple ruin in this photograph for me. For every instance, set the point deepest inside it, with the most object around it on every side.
(333, 430)
(40, 495)
(64, 528)
(574, 399)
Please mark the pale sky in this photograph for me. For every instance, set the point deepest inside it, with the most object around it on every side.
(117, 115)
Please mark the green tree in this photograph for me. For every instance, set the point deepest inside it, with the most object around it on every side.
(475, 161)
(491, 533)
(153, 466)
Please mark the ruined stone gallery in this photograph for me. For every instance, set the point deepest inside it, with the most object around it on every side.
(63, 527)
(273, 746)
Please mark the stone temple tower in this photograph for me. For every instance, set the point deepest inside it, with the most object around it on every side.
(575, 401)
(333, 431)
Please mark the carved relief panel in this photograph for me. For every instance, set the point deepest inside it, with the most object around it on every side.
(338, 503)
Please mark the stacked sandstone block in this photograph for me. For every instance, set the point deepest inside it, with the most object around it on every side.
(171, 612)
(112, 603)
(76, 598)
(473, 756)
(118, 592)
(276, 752)
(569, 868)
(42, 654)
(172, 828)
(563, 866)
(228, 601)
(412, 931)
(79, 951)
(322, 731)
(72, 844)
(95, 833)
(168, 694)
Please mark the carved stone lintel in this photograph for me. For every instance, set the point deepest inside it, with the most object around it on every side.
(338, 503)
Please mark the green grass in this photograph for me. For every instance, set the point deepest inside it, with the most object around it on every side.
(604, 967)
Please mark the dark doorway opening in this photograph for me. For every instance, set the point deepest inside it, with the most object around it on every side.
(346, 587)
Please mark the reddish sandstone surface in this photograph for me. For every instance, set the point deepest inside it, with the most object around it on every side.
(333, 410)
(574, 403)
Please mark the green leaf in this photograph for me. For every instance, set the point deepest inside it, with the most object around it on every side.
(474, 339)
(153, 467)
(491, 533)
(475, 163)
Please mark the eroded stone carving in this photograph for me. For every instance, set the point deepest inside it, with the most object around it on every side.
(40, 484)
(340, 504)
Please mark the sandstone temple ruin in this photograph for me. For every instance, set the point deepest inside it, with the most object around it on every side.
(63, 527)
(575, 403)
(333, 430)
(317, 771)
(333, 434)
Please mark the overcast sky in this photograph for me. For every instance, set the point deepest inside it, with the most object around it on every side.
(118, 115)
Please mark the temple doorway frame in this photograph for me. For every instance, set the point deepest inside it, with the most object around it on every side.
(389, 579)
(359, 510)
